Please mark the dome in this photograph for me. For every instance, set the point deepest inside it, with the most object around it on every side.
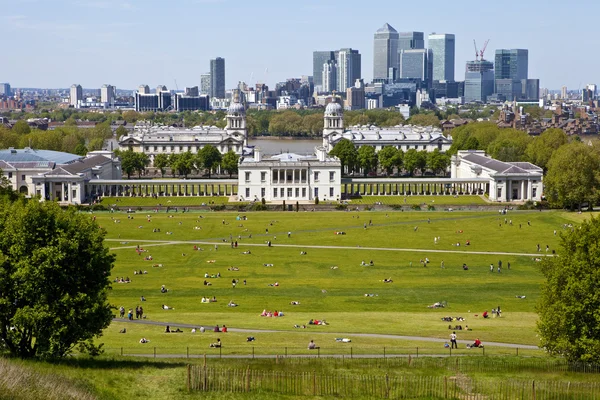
(236, 108)
(333, 108)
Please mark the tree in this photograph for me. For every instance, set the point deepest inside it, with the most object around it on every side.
(121, 131)
(54, 279)
(422, 161)
(572, 177)
(81, 150)
(129, 162)
(568, 321)
(424, 120)
(21, 127)
(411, 160)
(387, 158)
(183, 163)
(142, 161)
(230, 162)
(510, 145)
(346, 152)
(542, 147)
(161, 161)
(437, 161)
(367, 158)
(209, 157)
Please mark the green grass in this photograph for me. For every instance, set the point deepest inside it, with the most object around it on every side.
(174, 201)
(422, 201)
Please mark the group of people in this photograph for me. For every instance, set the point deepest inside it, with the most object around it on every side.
(276, 313)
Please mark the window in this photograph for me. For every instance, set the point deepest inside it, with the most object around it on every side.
(247, 176)
(155, 148)
(164, 148)
(275, 176)
(332, 175)
(499, 194)
(74, 194)
(147, 148)
(424, 147)
(282, 192)
(289, 192)
(330, 192)
(263, 193)
(304, 192)
(263, 176)
(10, 175)
(180, 148)
(297, 192)
(316, 176)
(247, 193)
(534, 193)
(172, 148)
(316, 192)
(22, 177)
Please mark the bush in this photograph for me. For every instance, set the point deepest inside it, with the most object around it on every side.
(263, 201)
(316, 200)
(430, 207)
(529, 205)
(341, 207)
(416, 207)
(259, 207)
(218, 207)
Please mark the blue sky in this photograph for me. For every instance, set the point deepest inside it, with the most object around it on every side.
(54, 43)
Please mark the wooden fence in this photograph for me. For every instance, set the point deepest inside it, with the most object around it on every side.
(202, 378)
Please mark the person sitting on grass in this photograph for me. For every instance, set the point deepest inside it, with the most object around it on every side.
(485, 314)
(216, 344)
(231, 304)
(144, 340)
(312, 345)
(167, 329)
(477, 344)
(163, 289)
(166, 307)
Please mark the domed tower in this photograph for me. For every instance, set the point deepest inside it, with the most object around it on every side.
(236, 122)
(334, 122)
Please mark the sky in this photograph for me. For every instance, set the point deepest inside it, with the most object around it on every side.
(55, 43)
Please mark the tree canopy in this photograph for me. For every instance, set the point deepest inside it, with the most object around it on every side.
(230, 162)
(568, 322)
(346, 152)
(53, 279)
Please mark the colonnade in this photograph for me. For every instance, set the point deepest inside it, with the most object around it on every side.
(132, 188)
(368, 187)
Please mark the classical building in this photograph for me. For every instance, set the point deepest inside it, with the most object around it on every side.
(507, 181)
(54, 175)
(155, 139)
(403, 137)
(290, 177)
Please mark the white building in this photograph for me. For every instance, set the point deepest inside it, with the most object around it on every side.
(508, 181)
(402, 137)
(289, 177)
(153, 139)
(54, 175)
(108, 94)
(76, 95)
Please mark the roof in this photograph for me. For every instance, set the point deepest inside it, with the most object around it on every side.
(31, 155)
(386, 28)
(84, 164)
(500, 167)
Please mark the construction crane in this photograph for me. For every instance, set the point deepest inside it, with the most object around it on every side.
(476, 50)
(483, 49)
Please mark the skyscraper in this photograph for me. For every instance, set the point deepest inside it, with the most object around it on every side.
(205, 83)
(415, 64)
(385, 51)
(348, 68)
(144, 89)
(329, 76)
(108, 95)
(5, 89)
(479, 81)
(320, 58)
(217, 78)
(511, 70)
(76, 95)
(442, 47)
(411, 40)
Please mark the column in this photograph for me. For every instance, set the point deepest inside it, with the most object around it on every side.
(529, 189)
(508, 190)
(523, 190)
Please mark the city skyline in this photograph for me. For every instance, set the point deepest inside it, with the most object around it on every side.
(84, 31)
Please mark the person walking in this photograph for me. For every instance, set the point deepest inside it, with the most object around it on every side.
(443, 264)
(453, 344)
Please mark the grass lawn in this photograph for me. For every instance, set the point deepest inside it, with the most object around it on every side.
(334, 294)
(174, 201)
(423, 201)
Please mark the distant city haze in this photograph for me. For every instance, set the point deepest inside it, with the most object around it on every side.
(52, 44)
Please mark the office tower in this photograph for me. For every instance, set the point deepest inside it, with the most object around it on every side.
(410, 41)
(511, 64)
(415, 64)
(205, 83)
(217, 78)
(191, 91)
(160, 88)
(442, 48)
(320, 58)
(108, 94)
(144, 89)
(5, 90)
(479, 81)
(76, 95)
(563, 92)
(329, 76)
(385, 51)
(355, 96)
(531, 89)
(348, 68)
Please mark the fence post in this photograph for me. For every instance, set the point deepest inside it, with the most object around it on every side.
(517, 352)
(417, 352)
(450, 351)
(350, 352)
(286, 351)
(189, 376)
(314, 383)
(154, 352)
(483, 348)
(187, 352)
(121, 351)
(248, 379)
(533, 389)
(446, 386)
(318, 352)
(387, 386)
(384, 352)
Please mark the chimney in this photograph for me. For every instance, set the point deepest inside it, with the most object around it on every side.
(321, 153)
(257, 154)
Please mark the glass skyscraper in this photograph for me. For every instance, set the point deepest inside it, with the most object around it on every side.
(442, 47)
(217, 78)
(415, 64)
(348, 68)
(511, 70)
(320, 58)
(411, 40)
(479, 81)
(385, 51)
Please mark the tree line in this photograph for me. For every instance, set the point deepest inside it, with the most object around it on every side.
(208, 160)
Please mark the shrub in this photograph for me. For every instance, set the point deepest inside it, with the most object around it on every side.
(430, 207)
(316, 200)
(416, 207)
(341, 207)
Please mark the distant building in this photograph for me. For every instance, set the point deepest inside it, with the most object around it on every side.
(217, 78)
(205, 83)
(385, 52)
(76, 95)
(159, 101)
(191, 102)
(329, 76)
(348, 68)
(479, 81)
(144, 89)
(319, 59)
(508, 181)
(442, 47)
(416, 64)
(289, 177)
(355, 96)
(563, 92)
(108, 95)
(5, 90)
(410, 41)
(511, 73)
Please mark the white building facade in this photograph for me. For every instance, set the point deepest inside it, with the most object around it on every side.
(404, 137)
(508, 181)
(289, 177)
(153, 140)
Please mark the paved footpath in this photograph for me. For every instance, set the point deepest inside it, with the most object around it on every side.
(370, 335)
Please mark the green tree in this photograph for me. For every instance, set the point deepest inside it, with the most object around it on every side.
(510, 145)
(230, 162)
(346, 152)
(209, 157)
(424, 120)
(367, 159)
(81, 150)
(422, 161)
(21, 127)
(161, 161)
(568, 322)
(54, 279)
(572, 177)
(387, 158)
(95, 144)
(411, 160)
(183, 163)
(542, 147)
(121, 131)
(129, 162)
(437, 161)
(142, 161)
